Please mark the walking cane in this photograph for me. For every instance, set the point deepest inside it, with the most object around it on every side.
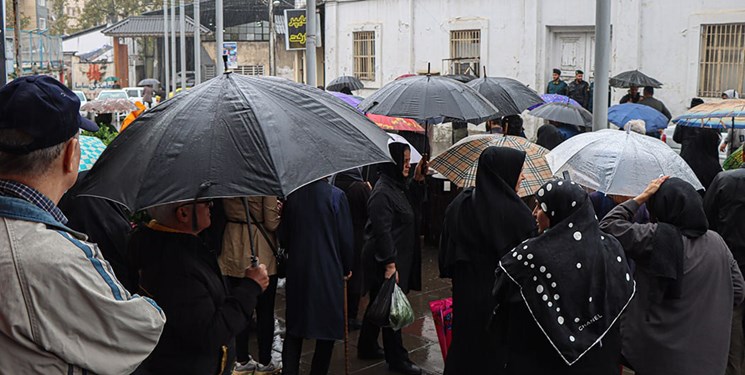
(346, 330)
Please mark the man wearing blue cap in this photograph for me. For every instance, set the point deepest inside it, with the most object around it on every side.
(63, 311)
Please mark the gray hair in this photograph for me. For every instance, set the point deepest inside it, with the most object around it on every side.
(35, 163)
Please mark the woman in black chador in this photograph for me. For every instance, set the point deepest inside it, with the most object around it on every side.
(481, 225)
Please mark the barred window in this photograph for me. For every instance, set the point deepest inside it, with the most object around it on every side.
(364, 55)
(250, 70)
(465, 51)
(722, 59)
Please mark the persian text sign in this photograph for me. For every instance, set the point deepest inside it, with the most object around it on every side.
(296, 29)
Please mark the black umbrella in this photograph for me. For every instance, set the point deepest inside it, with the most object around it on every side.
(234, 136)
(429, 100)
(352, 83)
(563, 112)
(464, 78)
(149, 82)
(634, 78)
(509, 96)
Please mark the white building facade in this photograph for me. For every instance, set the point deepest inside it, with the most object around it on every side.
(695, 47)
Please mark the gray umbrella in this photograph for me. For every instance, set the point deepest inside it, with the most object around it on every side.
(149, 82)
(565, 113)
(429, 100)
(352, 83)
(234, 136)
(634, 78)
(509, 96)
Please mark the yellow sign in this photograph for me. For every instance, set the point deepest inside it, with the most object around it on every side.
(298, 22)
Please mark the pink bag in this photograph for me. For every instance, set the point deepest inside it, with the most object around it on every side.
(442, 313)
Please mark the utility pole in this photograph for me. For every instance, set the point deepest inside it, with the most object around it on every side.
(182, 27)
(17, 38)
(3, 72)
(602, 65)
(219, 38)
(174, 66)
(310, 43)
(197, 44)
(272, 40)
(166, 50)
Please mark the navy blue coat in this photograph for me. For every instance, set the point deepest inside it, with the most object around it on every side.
(316, 231)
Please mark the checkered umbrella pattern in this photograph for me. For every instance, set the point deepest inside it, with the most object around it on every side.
(460, 162)
(90, 149)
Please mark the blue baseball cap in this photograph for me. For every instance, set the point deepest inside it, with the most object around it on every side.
(43, 108)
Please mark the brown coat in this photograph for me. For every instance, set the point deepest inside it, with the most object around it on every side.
(236, 253)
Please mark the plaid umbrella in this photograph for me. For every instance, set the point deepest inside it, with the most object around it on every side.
(395, 123)
(727, 114)
(460, 162)
(90, 149)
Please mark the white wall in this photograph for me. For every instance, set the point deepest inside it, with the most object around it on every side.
(659, 37)
(86, 42)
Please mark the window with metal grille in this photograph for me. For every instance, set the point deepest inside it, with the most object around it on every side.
(465, 51)
(364, 55)
(250, 70)
(722, 59)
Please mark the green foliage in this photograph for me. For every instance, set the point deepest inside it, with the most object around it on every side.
(106, 133)
(60, 25)
(110, 11)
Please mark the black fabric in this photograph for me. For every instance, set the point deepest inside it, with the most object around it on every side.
(182, 275)
(725, 210)
(630, 98)
(700, 149)
(549, 137)
(679, 211)
(395, 171)
(379, 310)
(580, 92)
(481, 225)
(264, 324)
(293, 349)
(106, 224)
(573, 278)
(316, 231)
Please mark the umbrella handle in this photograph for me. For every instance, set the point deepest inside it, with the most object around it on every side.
(254, 259)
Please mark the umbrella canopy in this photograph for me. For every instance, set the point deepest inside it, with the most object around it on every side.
(460, 162)
(429, 100)
(109, 106)
(415, 156)
(618, 162)
(234, 136)
(91, 149)
(464, 78)
(149, 82)
(555, 98)
(734, 161)
(728, 114)
(349, 99)
(563, 112)
(634, 78)
(620, 114)
(352, 83)
(396, 123)
(509, 96)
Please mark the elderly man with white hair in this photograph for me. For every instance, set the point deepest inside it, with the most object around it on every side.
(180, 271)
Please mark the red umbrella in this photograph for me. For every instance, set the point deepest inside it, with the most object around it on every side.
(395, 123)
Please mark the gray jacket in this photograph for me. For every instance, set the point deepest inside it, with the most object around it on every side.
(63, 311)
(686, 336)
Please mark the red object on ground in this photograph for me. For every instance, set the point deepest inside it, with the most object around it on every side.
(395, 123)
(442, 313)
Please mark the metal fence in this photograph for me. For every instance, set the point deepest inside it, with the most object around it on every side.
(40, 52)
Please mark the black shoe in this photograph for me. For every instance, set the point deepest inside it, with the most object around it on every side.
(374, 354)
(408, 368)
(354, 325)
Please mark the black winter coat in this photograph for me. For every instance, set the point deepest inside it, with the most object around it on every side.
(699, 148)
(725, 208)
(391, 233)
(202, 315)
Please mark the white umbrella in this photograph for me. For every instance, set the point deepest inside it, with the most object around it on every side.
(415, 155)
(618, 162)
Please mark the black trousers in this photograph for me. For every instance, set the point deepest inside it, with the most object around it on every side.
(264, 326)
(293, 349)
(393, 345)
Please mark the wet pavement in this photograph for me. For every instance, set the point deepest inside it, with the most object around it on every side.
(420, 338)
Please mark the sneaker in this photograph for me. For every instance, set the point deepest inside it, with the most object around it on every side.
(269, 369)
(247, 368)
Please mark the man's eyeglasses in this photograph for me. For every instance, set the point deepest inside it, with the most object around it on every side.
(208, 202)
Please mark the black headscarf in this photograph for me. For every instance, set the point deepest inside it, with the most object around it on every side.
(679, 211)
(395, 171)
(573, 278)
(490, 218)
(549, 136)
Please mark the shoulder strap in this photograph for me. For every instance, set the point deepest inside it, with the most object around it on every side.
(264, 233)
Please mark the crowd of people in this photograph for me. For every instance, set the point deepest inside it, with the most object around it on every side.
(571, 282)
